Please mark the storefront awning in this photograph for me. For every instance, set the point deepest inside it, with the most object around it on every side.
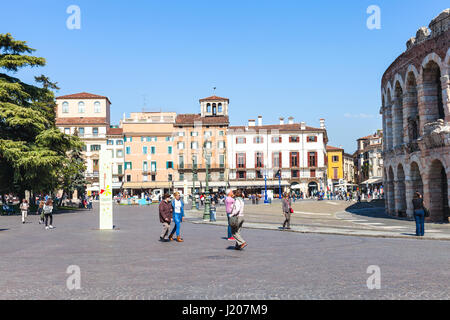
(257, 184)
(147, 185)
(374, 180)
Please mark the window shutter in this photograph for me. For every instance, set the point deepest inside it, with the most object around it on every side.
(280, 160)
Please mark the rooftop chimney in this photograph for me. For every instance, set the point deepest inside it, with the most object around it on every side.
(251, 123)
(259, 120)
(281, 120)
(291, 120)
(302, 125)
(322, 123)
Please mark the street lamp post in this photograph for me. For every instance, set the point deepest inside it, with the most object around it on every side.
(265, 187)
(279, 184)
(194, 201)
(206, 212)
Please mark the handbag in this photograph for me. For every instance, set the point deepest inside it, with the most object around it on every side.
(427, 212)
(291, 210)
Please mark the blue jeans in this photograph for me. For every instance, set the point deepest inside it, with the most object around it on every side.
(419, 216)
(177, 220)
(229, 227)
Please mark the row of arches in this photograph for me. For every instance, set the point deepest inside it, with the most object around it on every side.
(214, 109)
(415, 99)
(432, 181)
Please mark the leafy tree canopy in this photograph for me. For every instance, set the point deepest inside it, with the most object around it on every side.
(34, 154)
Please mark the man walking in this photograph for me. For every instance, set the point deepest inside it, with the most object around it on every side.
(237, 220)
(165, 216)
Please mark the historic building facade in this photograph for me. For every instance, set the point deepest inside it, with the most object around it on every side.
(369, 160)
(114, 143)
(258, 152)
(199, 137)
(149, 151)
(415, 93)
(88, 116)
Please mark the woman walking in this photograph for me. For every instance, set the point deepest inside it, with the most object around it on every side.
(48, 210)
(229, 202)
(237, 220)
(24, 206)
(286, 206)
(419, 214)
(40, 211)
(178, 216)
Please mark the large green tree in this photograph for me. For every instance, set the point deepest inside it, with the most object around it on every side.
(34, 154)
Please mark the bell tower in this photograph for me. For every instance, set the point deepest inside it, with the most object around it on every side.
(214, 106)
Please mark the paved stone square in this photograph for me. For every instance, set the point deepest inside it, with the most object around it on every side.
(130, 262)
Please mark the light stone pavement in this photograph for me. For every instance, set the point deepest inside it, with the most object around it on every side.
(332, 217)
(130, 262)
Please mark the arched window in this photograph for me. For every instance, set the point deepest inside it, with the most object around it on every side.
(81, 107)
(208, 108)
(65, 107)
(97, 107)
(214, 109)
(219, 108)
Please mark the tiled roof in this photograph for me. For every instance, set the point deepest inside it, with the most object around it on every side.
(372, 136)
(114, 131)
(81, 120)
(187, 119)
(280, 127)
(330, 148)
(215, 98)
(83, 95)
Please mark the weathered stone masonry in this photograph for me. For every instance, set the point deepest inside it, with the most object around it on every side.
(415, 93)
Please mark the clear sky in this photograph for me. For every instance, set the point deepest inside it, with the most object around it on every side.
(306, 59)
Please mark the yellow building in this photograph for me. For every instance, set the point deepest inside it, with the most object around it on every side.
(335, 159)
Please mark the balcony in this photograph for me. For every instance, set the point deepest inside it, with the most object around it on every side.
(148, 171)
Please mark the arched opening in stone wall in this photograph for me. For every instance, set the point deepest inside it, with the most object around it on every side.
(389, 120)
(411, 108)
(398, 115)
(391, 193)
(400, 192)
(438, 192)
(416, 179)
(432, 89)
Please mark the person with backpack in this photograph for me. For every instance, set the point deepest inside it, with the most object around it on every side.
(237, 220)
(24, 206)
(48, 214)
(287, 211)
(178, 216)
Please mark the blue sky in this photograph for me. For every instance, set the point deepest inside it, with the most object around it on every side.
(306, 59)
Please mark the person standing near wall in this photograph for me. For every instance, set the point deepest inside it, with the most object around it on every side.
(419, 214)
